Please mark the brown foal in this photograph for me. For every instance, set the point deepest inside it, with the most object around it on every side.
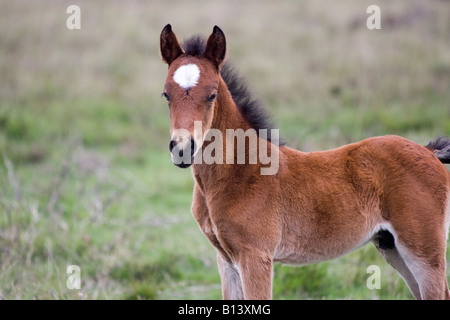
(312, 206)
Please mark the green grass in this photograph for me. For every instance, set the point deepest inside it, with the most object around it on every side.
(85, 174)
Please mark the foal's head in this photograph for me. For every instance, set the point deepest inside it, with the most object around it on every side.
(191, 91)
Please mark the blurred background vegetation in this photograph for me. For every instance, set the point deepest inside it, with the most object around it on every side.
(85, 174)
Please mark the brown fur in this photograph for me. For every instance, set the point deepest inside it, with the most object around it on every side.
(319, 205)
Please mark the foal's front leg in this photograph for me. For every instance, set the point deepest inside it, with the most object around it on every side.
(255, 269)
(250, 278)
(231, 280)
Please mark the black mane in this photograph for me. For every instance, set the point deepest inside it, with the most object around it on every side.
(250, 108)
(194, 46)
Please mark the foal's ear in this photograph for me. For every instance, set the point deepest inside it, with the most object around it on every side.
(169, 46)
(216, 47)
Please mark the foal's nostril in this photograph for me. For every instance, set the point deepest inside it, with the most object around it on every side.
(171, 145)
(182, 151)
(192, 147)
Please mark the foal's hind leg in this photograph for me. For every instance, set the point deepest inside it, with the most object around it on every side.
(420, 230)
(392, 256)
(420, 249)
(429, 271)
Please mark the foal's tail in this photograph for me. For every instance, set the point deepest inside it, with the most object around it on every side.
(441, 148)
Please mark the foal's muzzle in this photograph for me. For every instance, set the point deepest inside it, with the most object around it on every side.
(182, 151)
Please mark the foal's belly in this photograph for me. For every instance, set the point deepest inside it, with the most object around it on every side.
(306, 247)
(300, 255)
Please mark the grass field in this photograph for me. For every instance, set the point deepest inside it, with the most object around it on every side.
(85, 174)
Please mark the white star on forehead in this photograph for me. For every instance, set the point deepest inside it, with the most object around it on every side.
(187, 76)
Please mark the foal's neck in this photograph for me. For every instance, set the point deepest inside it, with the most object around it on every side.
(226, 116)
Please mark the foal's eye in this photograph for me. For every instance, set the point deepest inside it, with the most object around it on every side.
(212, 97)
(165, 95)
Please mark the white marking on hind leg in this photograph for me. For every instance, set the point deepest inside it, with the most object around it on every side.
(447, 217)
